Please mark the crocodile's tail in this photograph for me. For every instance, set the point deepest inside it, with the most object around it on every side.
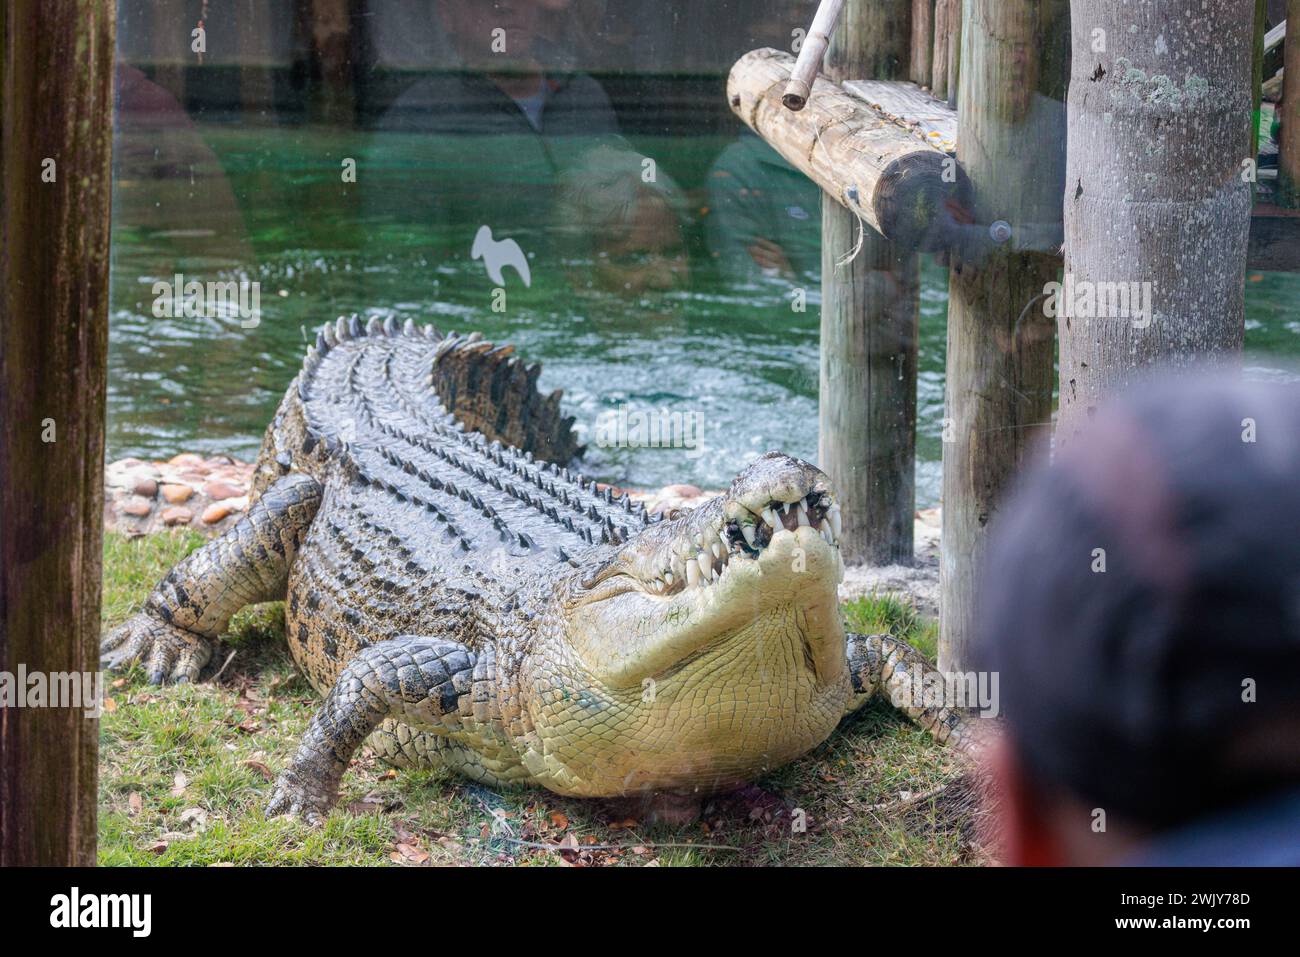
(359, 382)
(491, 391)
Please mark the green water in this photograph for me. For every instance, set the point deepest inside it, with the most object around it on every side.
(270, 205)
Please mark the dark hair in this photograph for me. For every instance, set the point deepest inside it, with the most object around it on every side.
(1132, 687)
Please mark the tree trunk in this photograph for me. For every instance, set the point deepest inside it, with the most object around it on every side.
(55, 105)
(1289, 160)
(869, 329)
(1156, 200)
(922, 66)
(999, 364)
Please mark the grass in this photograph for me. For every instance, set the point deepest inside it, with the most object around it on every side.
(186, 770)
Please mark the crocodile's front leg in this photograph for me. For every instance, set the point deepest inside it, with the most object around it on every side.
(194, 603)
(882, 664)
(413, 679)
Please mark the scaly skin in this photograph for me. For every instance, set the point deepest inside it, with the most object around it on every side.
(460, 601)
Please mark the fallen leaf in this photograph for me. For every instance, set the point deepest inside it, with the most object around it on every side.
(623, 825)
(195, 817)
(157, 847)
(388, 775)
(409, 853)
(119, 683)
(559, 819)
(179, 784)
(260, 768)
(135, 803)
(110, 705)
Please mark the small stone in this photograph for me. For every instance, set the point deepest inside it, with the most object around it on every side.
(145, 486)
(680, 491)
(137, 507)
(175, 494)
(220, 490)
(185, 460)
(175, 515)
(215, 513)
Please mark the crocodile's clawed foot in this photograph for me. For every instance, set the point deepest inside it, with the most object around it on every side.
(302, 797)
(167, 653)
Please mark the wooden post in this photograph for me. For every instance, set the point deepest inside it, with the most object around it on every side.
(1156, 199)
(326, 26)
(56, 129)
(169, 29)
(945, 11)
(869, 322)
(1257, 76)
(947, 50)
(956, 16)
(1289, 158)
(998, 397)
(922, 65)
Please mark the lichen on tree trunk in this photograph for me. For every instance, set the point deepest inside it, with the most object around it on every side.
(1159, 132)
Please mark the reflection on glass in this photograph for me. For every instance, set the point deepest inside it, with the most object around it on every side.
(663, 241)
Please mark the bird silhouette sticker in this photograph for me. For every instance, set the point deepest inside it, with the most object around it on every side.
(499, 253)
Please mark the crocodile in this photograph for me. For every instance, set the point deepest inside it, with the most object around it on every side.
(462, 596)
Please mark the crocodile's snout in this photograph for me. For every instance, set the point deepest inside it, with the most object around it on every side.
(774, 493)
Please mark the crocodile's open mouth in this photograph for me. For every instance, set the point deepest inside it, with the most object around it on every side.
(759, 561)
(740, 533)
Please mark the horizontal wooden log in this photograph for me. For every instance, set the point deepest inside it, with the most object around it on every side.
(869, 163)
(908, 105)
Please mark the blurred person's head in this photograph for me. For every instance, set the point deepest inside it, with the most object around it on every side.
(472, 26)
(627, 223)
(1142, 608)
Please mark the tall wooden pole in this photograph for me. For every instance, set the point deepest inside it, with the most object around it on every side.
(869, 320)
(56, 81)
(922, 65)
(998, 397)
(1157, 199)
(946, 14)
(1289, 160)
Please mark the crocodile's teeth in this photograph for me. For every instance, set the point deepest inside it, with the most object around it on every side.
(769, 517)
(803, 516)
(836, 521)
(692, 574)
(716, 548)
(748, 532)
(668, 579)
(706, 565)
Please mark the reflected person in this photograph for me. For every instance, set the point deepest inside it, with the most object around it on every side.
(488, 140)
